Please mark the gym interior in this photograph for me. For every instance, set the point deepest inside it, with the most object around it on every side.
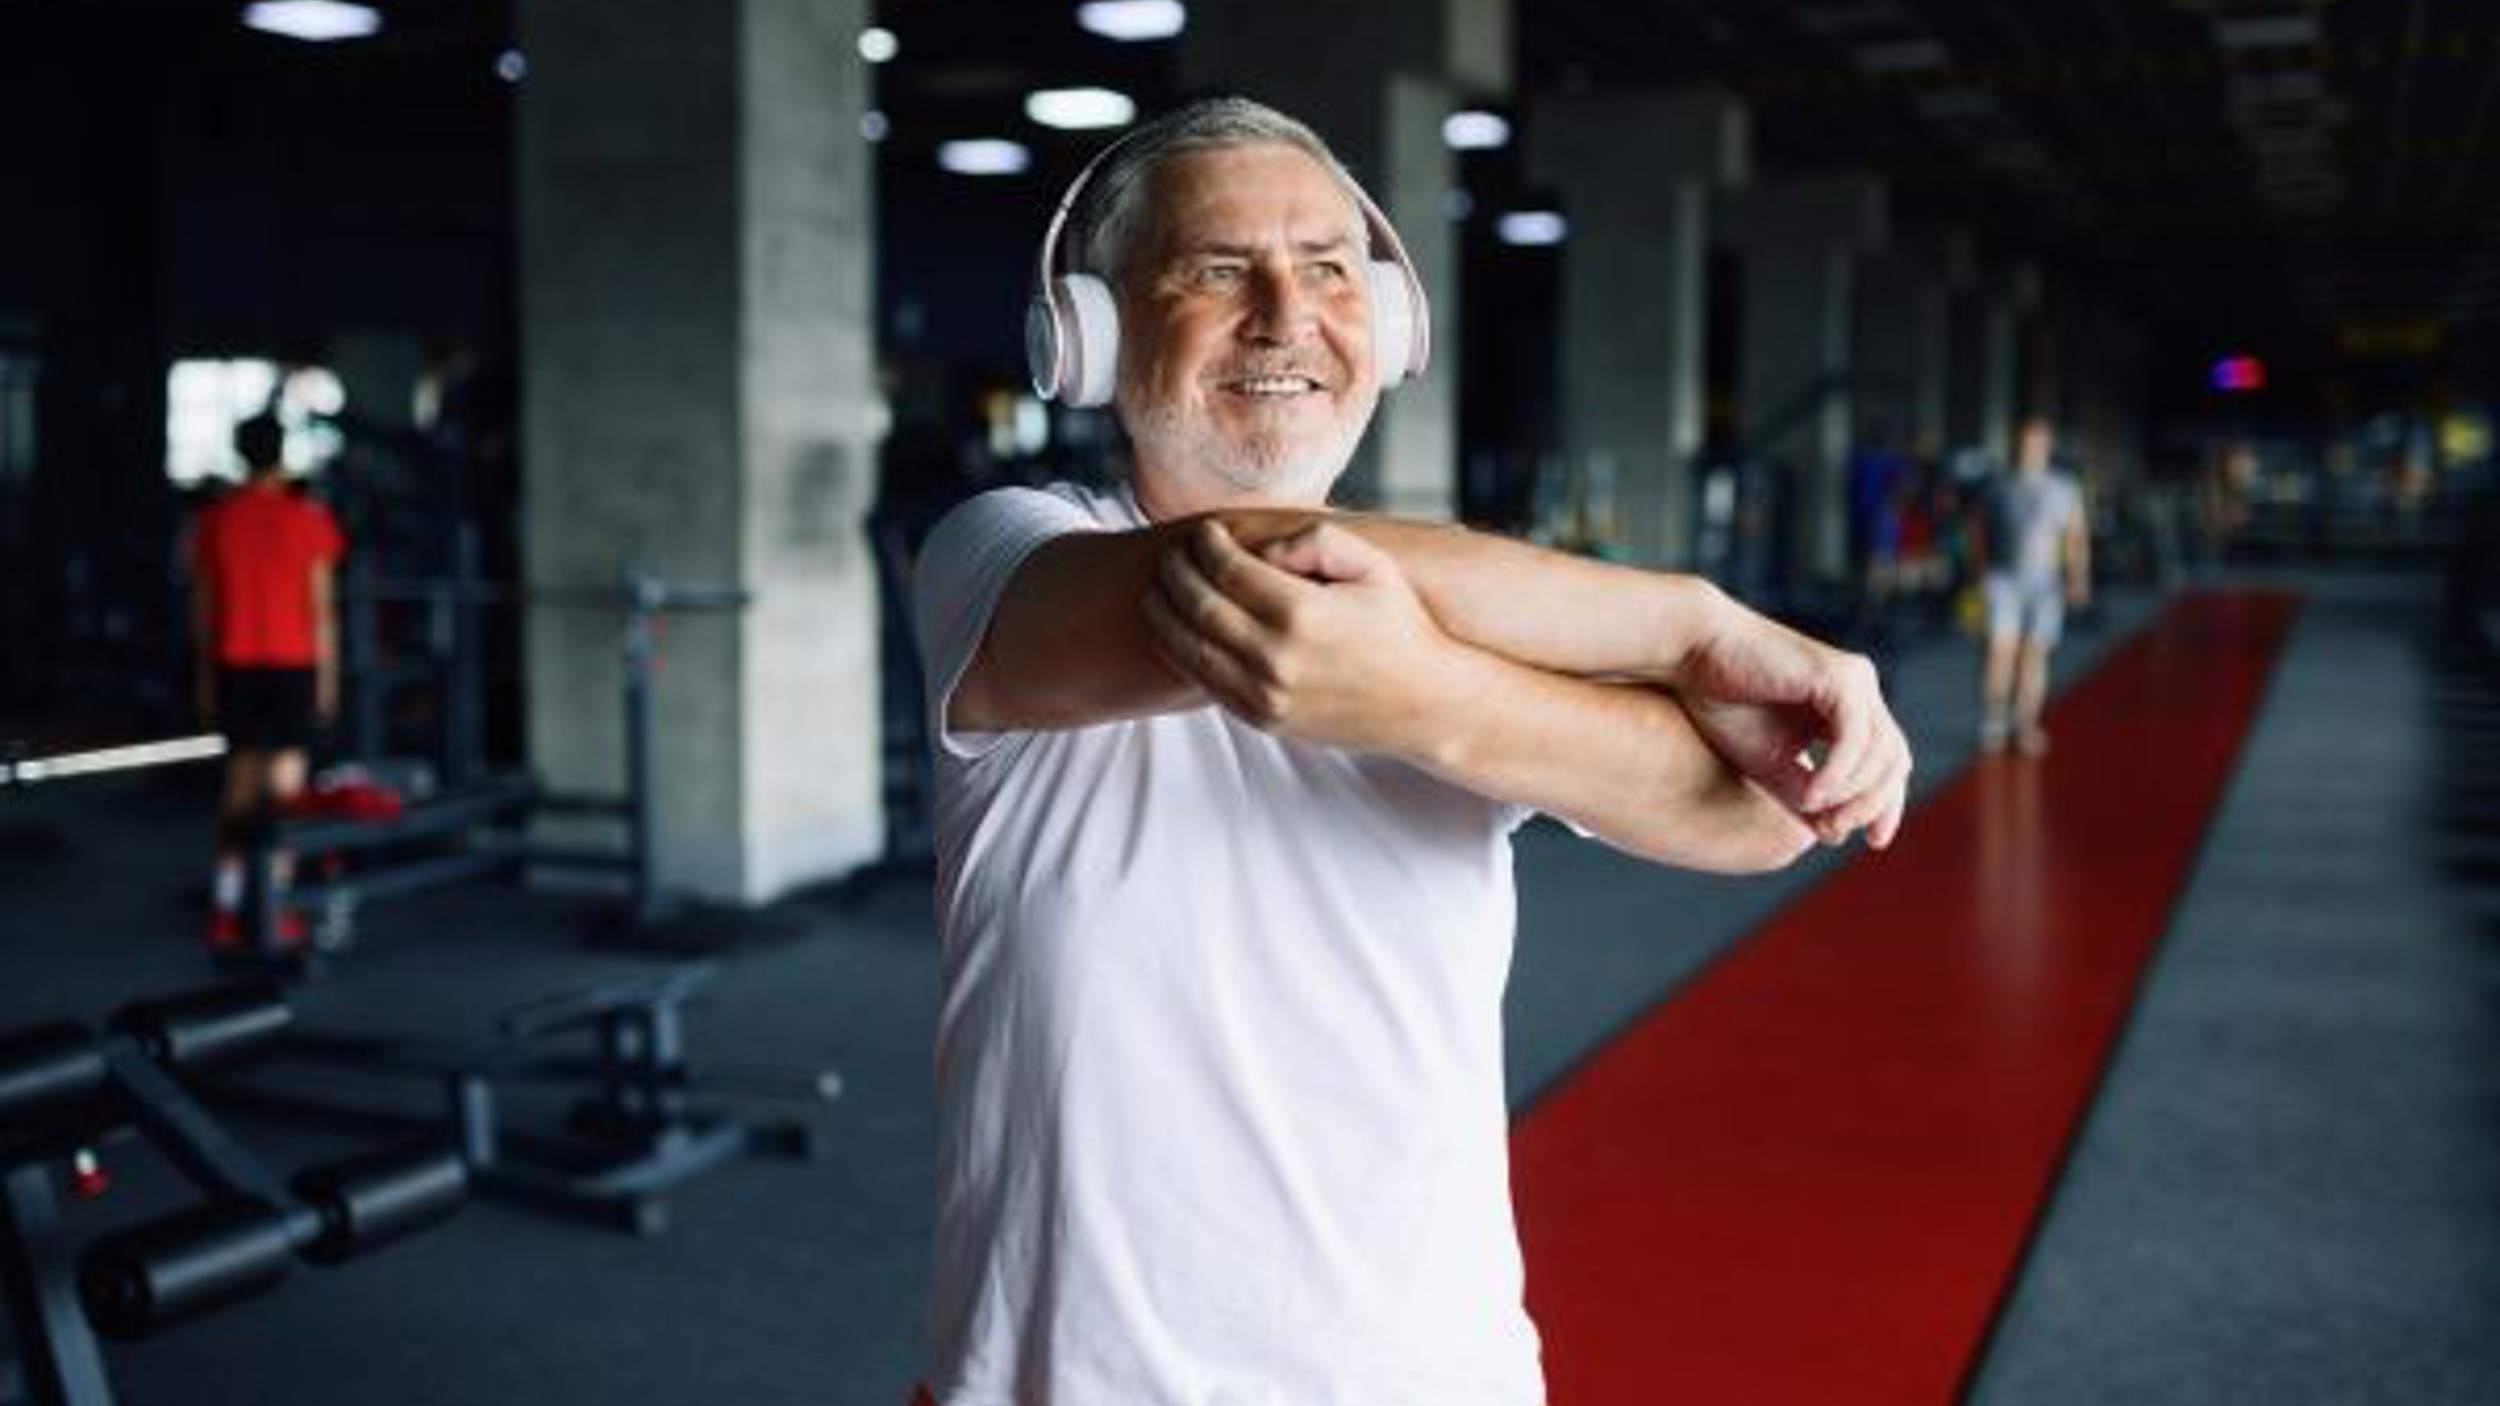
(568, 1037)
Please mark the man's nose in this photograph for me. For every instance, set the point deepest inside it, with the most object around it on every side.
(1280, 307)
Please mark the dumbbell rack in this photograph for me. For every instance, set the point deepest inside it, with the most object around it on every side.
(65, 1090)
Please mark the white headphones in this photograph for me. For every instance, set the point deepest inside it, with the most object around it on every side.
(1072, 324)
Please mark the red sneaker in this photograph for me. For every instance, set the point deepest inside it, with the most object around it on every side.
(227, 937)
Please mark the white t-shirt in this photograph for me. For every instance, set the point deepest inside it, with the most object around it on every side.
(1219, 1054)
(2029, 515)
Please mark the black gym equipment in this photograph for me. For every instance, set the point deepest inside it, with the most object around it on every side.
(637, 1130)
(66, 1091)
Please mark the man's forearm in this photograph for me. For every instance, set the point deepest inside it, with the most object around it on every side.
(1621, 761)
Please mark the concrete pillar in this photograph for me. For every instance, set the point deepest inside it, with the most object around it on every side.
(1986, 360)
(1637, 172)
(696, 326)
(2051, 358)
(1377, 90)
(1903, 333)
(1800, 239)
(2102, 388)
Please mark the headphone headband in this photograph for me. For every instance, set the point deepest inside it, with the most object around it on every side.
(1042, 272)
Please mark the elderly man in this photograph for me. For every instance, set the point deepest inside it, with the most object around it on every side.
(1226, 784)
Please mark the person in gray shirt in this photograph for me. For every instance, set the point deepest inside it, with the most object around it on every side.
(2034, 552)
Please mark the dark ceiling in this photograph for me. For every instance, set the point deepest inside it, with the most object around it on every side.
(2328, 161)
(2269, 166)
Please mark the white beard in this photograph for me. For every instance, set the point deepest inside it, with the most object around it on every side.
(1263, 462)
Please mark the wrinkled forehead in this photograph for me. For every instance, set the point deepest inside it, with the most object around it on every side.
(1249, 197)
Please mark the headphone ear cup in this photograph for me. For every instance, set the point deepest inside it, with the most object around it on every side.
(1090, 336)
(1393, 322)
(1041, 346)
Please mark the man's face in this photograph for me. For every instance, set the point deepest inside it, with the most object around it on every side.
(2033, 443)
(1246, 371)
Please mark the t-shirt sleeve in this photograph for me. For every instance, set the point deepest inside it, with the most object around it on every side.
(963, 568)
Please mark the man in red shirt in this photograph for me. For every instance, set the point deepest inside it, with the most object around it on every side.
(266, 641)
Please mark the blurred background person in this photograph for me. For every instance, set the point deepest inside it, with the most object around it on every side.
(2033, 551)
(265, 631)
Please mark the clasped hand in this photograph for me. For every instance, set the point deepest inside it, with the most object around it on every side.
(1806, 722)
(1317, 635)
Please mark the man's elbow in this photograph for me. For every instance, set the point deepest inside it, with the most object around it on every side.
(1748, 832)
(1771, 848)
(1735, 850)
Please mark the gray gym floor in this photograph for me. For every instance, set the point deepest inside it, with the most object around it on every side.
(2285, 1194)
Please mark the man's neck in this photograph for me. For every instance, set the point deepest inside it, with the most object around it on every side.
(1158, 501)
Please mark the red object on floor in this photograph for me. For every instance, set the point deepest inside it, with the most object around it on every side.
(1811, 1176)
(348, 800)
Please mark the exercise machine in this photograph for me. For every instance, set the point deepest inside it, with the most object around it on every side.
(67, 1092)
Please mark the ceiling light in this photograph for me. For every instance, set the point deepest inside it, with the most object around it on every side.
(878, 44)
(1079, 109)
(1132, 21)
(984, 156)
(873, 126)
(511, 67)
(1475, 131)
(314, 21)
(1530, 228)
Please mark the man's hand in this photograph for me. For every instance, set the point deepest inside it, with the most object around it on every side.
(1766, 697)
(1318, 636)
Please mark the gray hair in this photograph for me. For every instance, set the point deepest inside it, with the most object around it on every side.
(1113, 215)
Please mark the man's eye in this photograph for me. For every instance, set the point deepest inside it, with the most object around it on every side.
(1328, 271)
(1216, 275)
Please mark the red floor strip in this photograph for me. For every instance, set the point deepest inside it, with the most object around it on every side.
(1810, 1177)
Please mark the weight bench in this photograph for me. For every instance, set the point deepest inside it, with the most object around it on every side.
(640, 1129)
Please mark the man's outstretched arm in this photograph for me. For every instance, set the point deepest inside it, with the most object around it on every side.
(1066, 647)
(1760, 693)
(1344, 653)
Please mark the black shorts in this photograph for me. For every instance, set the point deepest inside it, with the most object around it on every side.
(267, 708)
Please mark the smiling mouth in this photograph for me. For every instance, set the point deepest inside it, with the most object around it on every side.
(1272, 387)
